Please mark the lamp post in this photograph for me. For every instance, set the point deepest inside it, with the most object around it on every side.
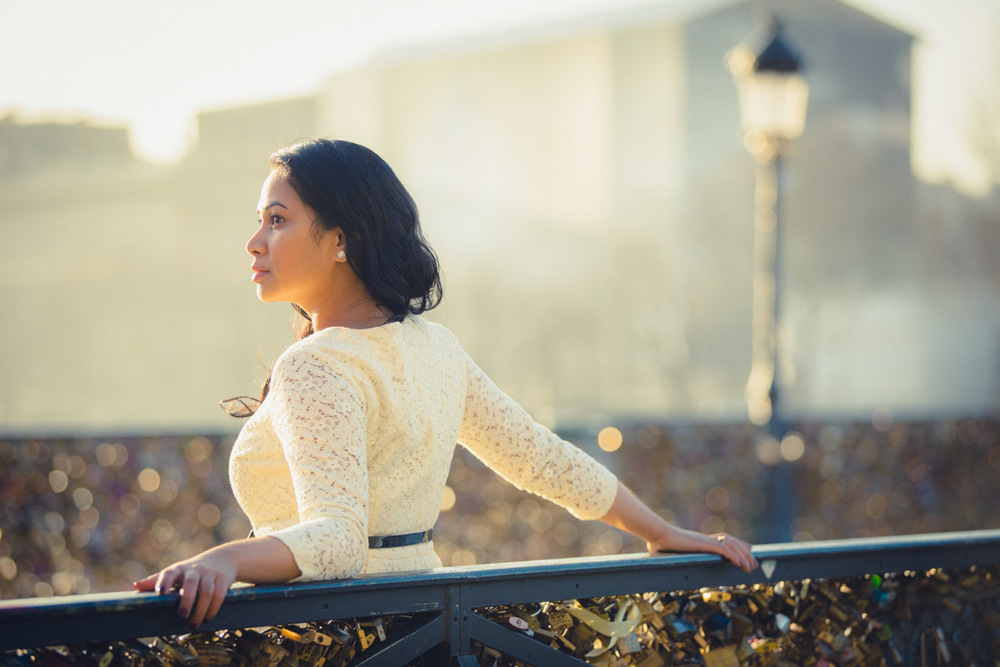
(773, 99)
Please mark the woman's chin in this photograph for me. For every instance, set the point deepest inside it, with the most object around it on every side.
(266, 295)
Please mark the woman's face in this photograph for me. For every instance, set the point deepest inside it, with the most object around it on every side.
(291, 260)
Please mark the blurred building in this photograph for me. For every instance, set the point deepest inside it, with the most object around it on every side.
(26, 149)
(126, 296)
(586, 187)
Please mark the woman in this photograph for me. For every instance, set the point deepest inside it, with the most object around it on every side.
(342, 466)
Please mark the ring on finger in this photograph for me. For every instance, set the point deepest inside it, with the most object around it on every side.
(720, 538)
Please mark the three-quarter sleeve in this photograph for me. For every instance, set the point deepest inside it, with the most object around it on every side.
(318, 415)
(502, 434)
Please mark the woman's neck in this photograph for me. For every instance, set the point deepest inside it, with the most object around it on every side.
(352, 308)
(355, 318)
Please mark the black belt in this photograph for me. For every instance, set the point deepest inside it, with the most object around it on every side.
(390, 541)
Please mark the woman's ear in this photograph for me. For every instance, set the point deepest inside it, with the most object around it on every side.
(339, 241)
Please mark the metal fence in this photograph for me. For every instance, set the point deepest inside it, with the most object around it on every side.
(445, 606)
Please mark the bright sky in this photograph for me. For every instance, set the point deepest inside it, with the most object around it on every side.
(154, 65)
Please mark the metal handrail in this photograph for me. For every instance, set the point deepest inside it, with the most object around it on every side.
(448, 597)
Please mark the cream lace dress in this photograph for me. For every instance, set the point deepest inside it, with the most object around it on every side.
(356, 437)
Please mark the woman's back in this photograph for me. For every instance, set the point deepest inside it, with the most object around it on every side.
(390, 395)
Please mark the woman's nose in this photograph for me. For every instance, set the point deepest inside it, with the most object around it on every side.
(255, 246)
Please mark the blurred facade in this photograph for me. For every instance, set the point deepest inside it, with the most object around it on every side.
(586, 187)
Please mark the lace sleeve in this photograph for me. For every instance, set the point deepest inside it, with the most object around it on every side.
(501, 434)
(319, 417)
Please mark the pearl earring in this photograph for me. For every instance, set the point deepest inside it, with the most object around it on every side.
(341, 254)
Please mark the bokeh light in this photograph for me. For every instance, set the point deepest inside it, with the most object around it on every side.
(197, 449)
(163, 531)
(882, 419)
(58, 481)
(54, 522)
(209, 515)
(106, 454)
(769, 451)
(8, 568)
(83, 498)
(166, 491)
(610, 439)
(149, 480)
(793, 447)
(717, 499)
(89, 518)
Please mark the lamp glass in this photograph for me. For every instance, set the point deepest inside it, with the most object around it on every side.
(773, 103)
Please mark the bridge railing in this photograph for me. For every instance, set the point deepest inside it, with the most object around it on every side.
(446, 603)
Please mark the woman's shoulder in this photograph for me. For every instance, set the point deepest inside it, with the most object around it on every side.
(342, 345)
(432, 329)
(365, 361)
(324, 349)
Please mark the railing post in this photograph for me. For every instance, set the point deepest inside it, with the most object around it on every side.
(457, 611)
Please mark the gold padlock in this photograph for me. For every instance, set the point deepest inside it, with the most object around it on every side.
(366, 639)
(312, 654)
(316, 637)
(715, 595)
(559, 620)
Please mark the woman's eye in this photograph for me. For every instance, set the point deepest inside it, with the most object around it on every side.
(276, 219)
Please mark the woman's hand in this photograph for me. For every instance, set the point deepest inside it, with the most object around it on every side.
(731, 548)
(203, 581)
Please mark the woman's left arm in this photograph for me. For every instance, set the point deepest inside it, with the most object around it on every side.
(319, 418)
(205, 579)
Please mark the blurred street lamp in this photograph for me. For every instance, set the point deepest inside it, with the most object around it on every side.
(772, 95)
(773, 99)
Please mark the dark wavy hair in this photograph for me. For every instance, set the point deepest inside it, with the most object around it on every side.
(350, 187)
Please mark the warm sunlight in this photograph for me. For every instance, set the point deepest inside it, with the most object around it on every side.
(153, 67)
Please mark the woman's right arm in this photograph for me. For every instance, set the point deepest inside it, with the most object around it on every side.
(497, 430)
(531, 457)
(630, 514)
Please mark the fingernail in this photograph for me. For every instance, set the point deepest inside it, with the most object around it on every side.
(193, 626)
(183, 613)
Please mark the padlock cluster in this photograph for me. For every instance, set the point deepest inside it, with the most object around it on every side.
(937, 617)
(329, 644)
(900, 619)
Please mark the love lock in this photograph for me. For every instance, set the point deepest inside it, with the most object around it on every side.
(625, 623)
